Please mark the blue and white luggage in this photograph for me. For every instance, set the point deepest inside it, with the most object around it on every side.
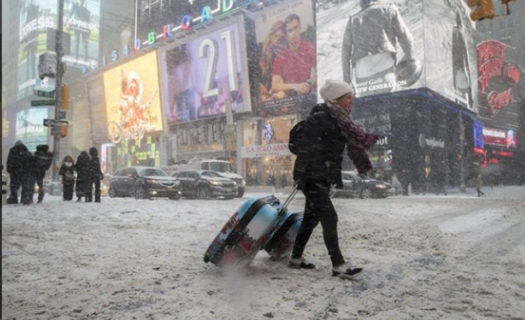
(282, 241)
(248, 231)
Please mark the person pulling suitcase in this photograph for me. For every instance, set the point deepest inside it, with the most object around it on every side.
(319, 142)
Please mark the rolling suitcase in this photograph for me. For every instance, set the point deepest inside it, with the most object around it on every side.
(247, 231)
(281, 242)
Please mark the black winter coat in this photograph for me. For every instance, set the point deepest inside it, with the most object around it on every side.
(83, 168)
(67, 173)
(19, 160)
(95, 171)
(44, 160)
(321, 149)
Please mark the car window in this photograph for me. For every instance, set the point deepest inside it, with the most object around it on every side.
(119, 173)
(194, 175)
(131, 172)
(210, 174)
(152, 173)
(176, 174)
(205, 166)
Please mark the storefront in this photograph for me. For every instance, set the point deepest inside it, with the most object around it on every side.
(265, 154)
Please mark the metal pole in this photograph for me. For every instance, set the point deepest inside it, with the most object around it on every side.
(462, 186)
(58, 85)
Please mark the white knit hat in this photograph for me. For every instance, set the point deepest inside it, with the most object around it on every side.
(334, 89)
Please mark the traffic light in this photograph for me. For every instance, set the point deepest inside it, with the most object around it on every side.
(484, 9)
(64, 105)
(63, 126)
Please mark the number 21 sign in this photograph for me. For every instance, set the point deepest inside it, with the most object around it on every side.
(206, 75)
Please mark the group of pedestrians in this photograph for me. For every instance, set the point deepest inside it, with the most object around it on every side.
(88, 175)
(27, 169)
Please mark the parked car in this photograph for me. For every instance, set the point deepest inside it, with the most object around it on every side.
(356, 186)
(205, 184)
(143, 183)
(221, 167)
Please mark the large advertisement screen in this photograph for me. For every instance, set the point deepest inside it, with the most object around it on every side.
(384, 46)
(30, 127)
(132, 99)
(378, 46)
(204, 76)
(287, 58)
(81, 21)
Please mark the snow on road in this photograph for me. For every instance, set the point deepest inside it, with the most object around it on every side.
(426, 257)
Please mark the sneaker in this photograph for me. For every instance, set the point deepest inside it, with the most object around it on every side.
(345, 272)
(300, 264)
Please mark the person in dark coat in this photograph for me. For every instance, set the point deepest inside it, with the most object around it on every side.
(19, 162)
(83, 169)
(67, 172)
(96, 176)
(43, 159)
(327, 131)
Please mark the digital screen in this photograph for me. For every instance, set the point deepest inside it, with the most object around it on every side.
(286, 57)
(82, 22)
(205, 76)
(30, 127)
(133, 99)
(384, 46)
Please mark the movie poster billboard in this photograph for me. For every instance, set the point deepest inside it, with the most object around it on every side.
(132, 99)
(82, 23)
(287, 58)
(385, 46)
(30, 127)
(205, 75)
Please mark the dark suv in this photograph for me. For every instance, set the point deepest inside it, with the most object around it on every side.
(144, 183)
(205, 184)
(356, 186)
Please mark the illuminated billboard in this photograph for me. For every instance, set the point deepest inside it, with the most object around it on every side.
(132, 99)
(286, 57)
(30, 127)
(205, 75)
(384, 46)
(81, 21)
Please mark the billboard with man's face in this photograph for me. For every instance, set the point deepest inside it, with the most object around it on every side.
(385, 46)
(206, 75)
(286, 58)
(133, 99)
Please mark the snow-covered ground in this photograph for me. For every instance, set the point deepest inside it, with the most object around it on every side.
(426, 257)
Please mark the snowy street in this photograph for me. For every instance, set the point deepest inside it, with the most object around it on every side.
(425, 257)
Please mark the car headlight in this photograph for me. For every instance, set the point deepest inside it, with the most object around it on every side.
(243, 182)
(381, 186)
(152, 181)
(234, 183)
(215, 183)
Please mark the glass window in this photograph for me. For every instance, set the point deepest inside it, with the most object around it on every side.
(153, 173)
(210, 174)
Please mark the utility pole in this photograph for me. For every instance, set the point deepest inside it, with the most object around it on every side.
(59, 49)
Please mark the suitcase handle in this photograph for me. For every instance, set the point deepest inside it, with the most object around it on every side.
(289, 200)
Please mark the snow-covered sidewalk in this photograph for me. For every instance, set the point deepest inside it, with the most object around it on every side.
(426, 257)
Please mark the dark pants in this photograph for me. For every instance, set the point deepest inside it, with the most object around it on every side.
(89, 191)
(14, 185)
(40, 183)
(68, 188)
(319, 208)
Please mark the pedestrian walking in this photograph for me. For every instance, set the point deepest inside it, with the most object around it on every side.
(82, 167)
(43, 159)
(95, 176)
(67, 172)
(19, 162)
(325, 134)
(479, 185)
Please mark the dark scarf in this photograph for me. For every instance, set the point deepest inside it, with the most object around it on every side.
(357, 140)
